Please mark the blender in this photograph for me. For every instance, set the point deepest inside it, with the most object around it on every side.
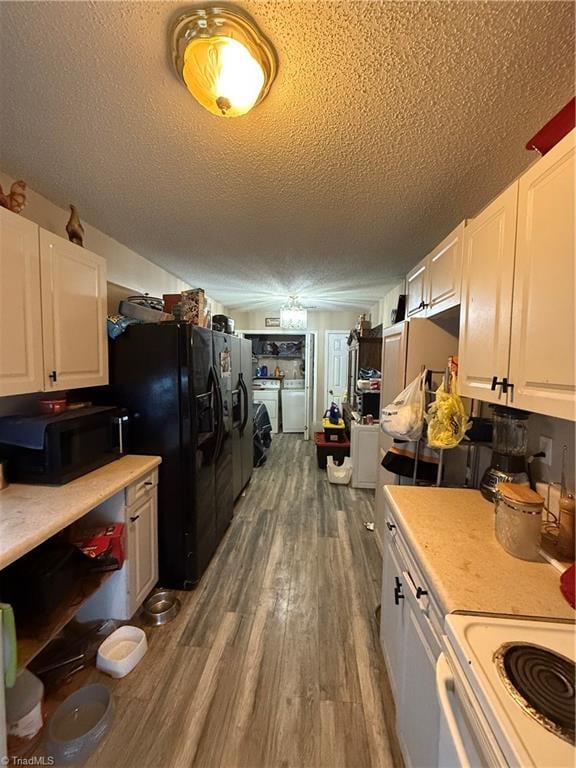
(509, 445)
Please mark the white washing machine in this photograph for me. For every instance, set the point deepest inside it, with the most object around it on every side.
(293, 406)
(267, 391)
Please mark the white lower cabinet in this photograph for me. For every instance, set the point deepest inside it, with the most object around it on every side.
(418, 713)
(410, 636)
(364, 454)
(124, 592)
(392, 611)
(142, 549)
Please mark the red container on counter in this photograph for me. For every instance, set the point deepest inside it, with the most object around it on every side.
(53, 405)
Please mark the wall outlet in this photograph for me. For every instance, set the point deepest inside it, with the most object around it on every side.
(551, 496)
(546, 447)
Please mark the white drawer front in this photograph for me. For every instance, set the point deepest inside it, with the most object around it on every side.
(142, 488)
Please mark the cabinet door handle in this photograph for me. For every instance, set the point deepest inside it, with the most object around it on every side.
(504, 384)
(133, 519)
(420, 592)
(148, 483)
(53, 376)
(398, 591)
(390, 526)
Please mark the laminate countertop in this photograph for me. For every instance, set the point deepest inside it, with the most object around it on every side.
(451, 534)
(30, 514)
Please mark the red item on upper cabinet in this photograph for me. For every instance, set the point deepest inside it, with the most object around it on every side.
(554, 130)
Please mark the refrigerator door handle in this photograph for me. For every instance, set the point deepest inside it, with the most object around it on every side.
(220, 409)
(244, 389)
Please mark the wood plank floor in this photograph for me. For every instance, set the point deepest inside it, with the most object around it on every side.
(274, 660)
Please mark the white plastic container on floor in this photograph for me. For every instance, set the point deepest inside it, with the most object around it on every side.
(340, 475)
(121, 651)
(24, 708)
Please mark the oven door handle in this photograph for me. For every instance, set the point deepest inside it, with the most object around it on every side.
(445, 688)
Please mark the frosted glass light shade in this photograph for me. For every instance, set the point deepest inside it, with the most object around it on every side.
(293, 316)
(223, 59)
(222, 75)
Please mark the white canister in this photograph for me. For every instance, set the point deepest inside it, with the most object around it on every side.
(24, 718)
(519, 520)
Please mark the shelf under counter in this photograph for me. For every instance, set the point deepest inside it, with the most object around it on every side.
(31, 514)
(32, 639)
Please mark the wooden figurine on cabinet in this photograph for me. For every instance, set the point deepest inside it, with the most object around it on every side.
(74, 227)
(15, 200)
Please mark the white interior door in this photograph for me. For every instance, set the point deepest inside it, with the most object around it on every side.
(309, 379)
(336, 367)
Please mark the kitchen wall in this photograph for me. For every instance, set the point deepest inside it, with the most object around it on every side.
(317, 321)
(561, 432)
(380, 312)
(125, 267)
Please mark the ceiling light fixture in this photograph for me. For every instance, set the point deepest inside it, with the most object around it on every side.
(293, 316)
(223, 59)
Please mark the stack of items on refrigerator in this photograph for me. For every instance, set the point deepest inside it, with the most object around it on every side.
(188, 306)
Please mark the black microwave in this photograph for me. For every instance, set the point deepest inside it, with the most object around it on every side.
(54, 449)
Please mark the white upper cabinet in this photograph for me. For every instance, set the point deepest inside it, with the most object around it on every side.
(21, 365)
(445, 273)
(517, 335)
(52, 311)
(542, 353)
(73, 314)
(434, 283)
(416, 284)
(488, 274)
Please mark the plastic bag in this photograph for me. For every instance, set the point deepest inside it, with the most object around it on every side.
(404, 418)
(446, 417)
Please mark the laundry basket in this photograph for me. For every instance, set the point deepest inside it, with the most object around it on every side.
(340, 475)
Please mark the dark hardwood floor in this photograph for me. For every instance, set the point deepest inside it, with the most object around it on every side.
(274, 660)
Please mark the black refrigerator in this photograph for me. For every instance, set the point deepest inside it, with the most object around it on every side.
(175, 380)
(242, 414)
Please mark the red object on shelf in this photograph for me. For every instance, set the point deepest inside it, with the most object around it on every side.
(103, 544)
(554, 130)
(568, 585)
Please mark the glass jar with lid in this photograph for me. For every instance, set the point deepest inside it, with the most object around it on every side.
(519, 520)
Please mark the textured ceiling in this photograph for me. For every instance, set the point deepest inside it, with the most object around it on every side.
(388, 123)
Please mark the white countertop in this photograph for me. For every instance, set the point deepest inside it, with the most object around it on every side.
(451, 532)
(30, 514)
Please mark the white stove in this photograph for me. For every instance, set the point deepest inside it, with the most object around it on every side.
(505, 699)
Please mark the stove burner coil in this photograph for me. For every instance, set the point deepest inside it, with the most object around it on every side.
(543, 683)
